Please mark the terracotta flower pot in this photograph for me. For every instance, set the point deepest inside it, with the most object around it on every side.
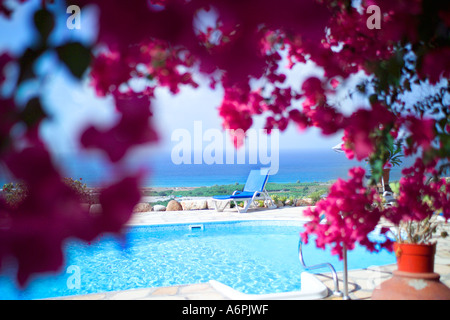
(415, 278)
(385, 180)
(417, 258)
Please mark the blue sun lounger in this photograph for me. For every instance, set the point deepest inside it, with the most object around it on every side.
(254, 189)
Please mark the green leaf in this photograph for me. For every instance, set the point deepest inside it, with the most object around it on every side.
(373, 98)
(33, 113)
(75, 56)
(407, 85)
(26, 62)
(44, 22)
(376, 166)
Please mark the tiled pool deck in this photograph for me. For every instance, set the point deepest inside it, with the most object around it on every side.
(360, 285)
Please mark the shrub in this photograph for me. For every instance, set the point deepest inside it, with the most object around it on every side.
(317, 195)
(14, 193)
(81, 190)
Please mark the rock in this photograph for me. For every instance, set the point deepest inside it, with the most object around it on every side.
(174, 205)
(303, 202)
(272, 205)
(142, 207)
(279, 204)
(194, 204)
(159, 207)
(288, 202)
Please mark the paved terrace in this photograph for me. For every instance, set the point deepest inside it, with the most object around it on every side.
(360, 281)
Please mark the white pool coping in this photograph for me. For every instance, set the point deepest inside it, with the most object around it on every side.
(311, 289)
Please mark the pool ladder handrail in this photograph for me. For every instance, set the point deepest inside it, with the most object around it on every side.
(336, 291)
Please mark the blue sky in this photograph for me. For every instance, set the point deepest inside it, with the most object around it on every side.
(73, 105)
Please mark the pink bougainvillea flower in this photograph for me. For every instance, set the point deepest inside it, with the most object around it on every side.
(4, 10)
(43, 219)
(422, 133)
(435, 65)
(334, 83)
(34, 231)
(327, 118)
(445, 16)
(313, 91)
(109, 70)
(118, 201)
(133, 128)
(349, 214)
(236, 110)
(418, 199)
(300, 119)
(359, 129)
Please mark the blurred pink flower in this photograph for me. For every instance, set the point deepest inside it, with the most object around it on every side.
(436, 65)
(109, 71)
(418, 199)
(421, 133)
(313, 91)
(34, 231)
(360, 127)
(133, 128)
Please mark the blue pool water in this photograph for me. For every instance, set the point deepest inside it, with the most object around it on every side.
(252, 257)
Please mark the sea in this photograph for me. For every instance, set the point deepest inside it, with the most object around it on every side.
(159, 170)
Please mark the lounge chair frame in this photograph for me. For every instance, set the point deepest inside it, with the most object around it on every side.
(248, 200)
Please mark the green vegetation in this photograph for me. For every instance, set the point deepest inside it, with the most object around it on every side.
(281, 191)
(15, 193)
(81, 189)
(278, 191)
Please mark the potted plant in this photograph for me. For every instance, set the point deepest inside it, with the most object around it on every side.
(414, 278)
(416, 248)
(416, 216)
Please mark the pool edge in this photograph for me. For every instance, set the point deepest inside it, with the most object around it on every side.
(312, 289)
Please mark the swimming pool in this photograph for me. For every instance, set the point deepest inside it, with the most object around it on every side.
(253, 257)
